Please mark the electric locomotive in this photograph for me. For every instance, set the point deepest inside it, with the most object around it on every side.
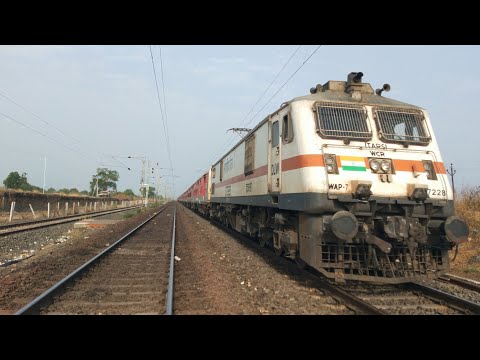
(343, 180)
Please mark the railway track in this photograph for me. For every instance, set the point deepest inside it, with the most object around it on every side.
(132, 276)
(30, 225)
(369, 299)
(410, 299)
(462, 282)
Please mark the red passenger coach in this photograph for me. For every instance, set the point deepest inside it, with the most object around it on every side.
(198, 195)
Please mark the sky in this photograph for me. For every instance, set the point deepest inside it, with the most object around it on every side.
(93, 106)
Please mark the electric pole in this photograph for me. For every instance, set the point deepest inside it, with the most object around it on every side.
(142, 180)
(147, 190)
(451, 173)
(44, 174)
(158, 183)
(142, 174)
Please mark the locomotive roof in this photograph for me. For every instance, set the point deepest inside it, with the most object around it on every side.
(367, 99)
(335, 91)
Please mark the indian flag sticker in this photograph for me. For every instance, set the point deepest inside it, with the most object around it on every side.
(353, 163)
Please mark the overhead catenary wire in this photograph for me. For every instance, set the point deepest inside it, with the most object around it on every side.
(271, 83)
(164, 118)
(229, 141)
(56, 128)
(291, 76)
(285, 83)
(50, 138)
(164, 101)
(114, 158)
(156, 85)
(36, 116)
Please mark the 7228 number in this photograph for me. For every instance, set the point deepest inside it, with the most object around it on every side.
(436, 192)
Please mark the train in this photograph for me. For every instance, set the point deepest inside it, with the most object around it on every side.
(343, 180)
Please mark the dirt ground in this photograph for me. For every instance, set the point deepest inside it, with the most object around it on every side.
(218, 274)
(215, 273)
(20, 283)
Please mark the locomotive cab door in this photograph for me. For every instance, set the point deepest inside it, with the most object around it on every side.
(274, 163)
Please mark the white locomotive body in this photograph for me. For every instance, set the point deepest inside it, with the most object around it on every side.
(344, 180)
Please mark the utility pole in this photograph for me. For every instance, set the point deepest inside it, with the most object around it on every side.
(142, 180)
(44, 174)
(451, 173)
(148, 173)
(97, 187)
(142, 174)
(147, 190)
(158, 177)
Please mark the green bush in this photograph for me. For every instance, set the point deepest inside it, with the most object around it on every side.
(128, 214)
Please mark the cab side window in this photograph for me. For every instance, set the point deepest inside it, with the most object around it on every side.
(275, 134)
(287, 129)
(249, 155)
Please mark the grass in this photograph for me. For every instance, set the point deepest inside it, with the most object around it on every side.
(129, 214)
(467, 206)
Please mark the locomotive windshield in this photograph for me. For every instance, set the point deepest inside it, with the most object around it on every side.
(402, 125)
(338, 120)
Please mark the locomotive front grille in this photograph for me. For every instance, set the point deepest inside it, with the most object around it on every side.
(366, 261)
(339, 120)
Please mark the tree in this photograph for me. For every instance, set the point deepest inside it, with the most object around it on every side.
(51, 190)
(106, 179)
(151, 192)
(84, 192)
(12, 181)
(73, 191)
(129, 192)
(64, 190)
(16, 181)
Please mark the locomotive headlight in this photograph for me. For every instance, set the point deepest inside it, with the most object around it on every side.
(385, 166)
(374, 165)
(427, 166)
(331, 163)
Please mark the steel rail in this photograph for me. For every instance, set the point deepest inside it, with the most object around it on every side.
(7, 226)
(350, 299)
(34, 306)
(462, 282)
(172, 267)
(446, 298)
(30, 225)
